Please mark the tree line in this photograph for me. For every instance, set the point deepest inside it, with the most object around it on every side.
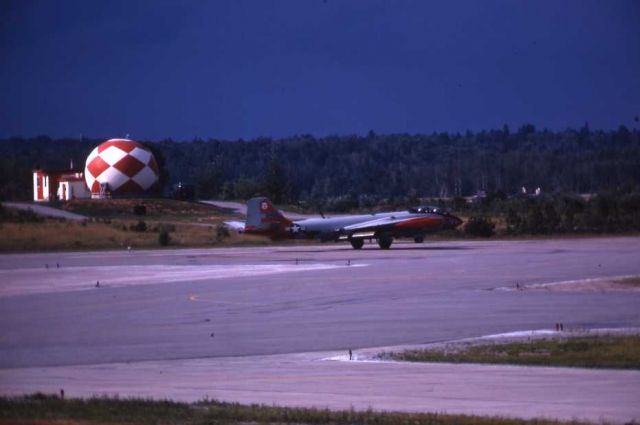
(346, 172)
(557, 213)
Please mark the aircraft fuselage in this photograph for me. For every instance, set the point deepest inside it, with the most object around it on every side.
(264, 219)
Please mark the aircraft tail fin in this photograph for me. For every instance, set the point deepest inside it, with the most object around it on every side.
(264, 218)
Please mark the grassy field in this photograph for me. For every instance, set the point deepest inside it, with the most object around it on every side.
(50, 410)
(52, 235)
(113, 224)
(155, 209)
(615, 352)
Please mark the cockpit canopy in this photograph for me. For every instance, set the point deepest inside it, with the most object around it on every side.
(425, 209)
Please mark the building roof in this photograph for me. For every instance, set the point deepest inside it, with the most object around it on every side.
(57, 170)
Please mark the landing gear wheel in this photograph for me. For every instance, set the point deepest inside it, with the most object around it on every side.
(357, 243)
(385, 242)
(418, 239)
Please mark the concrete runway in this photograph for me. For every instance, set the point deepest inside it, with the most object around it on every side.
(253, 324)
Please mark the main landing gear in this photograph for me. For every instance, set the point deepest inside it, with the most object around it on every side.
(385, 241)
(357, 243)
(418, 239)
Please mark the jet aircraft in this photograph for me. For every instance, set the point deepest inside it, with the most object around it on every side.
(266, 220)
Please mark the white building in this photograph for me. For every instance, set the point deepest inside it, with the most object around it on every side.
(63, 185)
(73, 188)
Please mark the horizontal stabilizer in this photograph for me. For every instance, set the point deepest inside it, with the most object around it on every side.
(238, 226)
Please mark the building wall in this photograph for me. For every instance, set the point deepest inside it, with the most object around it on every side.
(62, 185)
(47, 188)
(64, 191)
(40, 187)
(72, 189)
(79, 190)
(37, 187)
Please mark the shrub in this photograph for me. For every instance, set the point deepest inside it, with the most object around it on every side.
(20, 216)
(140, 210)
(221, 232)
(479, 226)
(164, 238)
(140, 226)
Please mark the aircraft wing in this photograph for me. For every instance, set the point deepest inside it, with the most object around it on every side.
(392, 221)
(376, 223)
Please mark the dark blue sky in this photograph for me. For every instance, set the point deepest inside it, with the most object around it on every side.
(243, 69)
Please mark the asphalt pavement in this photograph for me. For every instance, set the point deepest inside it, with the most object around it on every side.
(275, 312)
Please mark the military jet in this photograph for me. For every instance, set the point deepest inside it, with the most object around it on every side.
(266, 220)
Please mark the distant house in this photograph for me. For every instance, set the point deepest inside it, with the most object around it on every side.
(73, 187)
(480, 196)
(533, 194)
(63, 185)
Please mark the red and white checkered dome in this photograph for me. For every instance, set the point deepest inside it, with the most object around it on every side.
(126, 165)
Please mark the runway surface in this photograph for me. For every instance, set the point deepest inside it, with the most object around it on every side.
(253, 324)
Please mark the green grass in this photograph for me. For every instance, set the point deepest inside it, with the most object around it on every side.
(42, 409)
(611, 352)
